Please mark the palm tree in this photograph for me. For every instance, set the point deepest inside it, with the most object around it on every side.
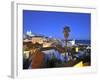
(66, 31)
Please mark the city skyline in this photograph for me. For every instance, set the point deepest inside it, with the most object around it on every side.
(52, 23)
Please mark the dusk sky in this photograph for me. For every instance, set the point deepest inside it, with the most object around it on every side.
(52, 23)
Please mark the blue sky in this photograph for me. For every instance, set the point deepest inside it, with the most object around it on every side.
(52, 23)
